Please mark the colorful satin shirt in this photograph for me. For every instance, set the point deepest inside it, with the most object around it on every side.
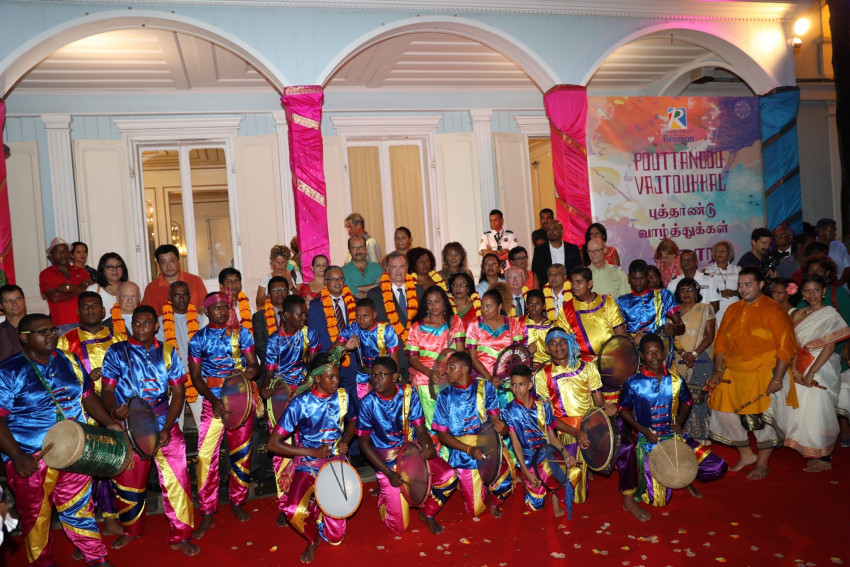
(537, 337)
(568, 390)
(27, 405)
(287, 355)
(389, 422)
(219, 354)
(90, 347)
(530, 425)
(647, 311)
(488, 342)
(462, 411)
(593, 322)
(655, 403)
(380, 340)
(316, 419)
(147, 373)
(428, 342)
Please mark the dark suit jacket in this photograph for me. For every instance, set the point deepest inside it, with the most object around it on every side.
(543, 259)
(375, 295)
(316, 321)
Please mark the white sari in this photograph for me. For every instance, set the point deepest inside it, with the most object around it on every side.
(812, 427)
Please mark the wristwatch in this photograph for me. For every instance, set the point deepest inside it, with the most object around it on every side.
(67, 287)
(694, 353)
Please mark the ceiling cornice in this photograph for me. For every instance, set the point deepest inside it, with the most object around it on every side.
(668, 9)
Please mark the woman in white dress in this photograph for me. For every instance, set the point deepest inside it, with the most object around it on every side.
(724, 275)
(811, 425)
(111, 271)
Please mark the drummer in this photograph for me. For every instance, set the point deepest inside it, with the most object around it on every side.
(288, 352)
(389, 416)
(646, 310)
(220, 349)
(537, 324)
(655, 403)
(531, 425)
(572, 386)
(317, 416)
(90, 342)
(27, 411)
(128, 364)
(462, 409)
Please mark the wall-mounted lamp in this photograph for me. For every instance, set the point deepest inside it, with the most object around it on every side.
(796, 42)
(801, 26)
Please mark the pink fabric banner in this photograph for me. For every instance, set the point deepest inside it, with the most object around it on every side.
(566, 107)
(303, 107)
(7, 259)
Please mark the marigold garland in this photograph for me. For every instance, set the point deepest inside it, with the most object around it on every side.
(551, 314)
(330, 314)
(435, 277)
(476, 303)
(118, 325)
(271, 320)
(512, 310)
(170, 333)
(389, 305)
(245, 311)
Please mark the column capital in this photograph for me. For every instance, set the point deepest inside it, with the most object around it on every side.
(56, 121)
(480, 114)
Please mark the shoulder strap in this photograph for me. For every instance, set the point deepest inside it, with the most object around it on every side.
(381, 339)
(343, 405)
(405, 411)
(541, 416)
(480, 399)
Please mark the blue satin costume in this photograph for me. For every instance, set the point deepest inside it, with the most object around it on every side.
(287, 355)
(369, 347)
(382, 418)
(219, 354)
(655, 405)
(647, 311)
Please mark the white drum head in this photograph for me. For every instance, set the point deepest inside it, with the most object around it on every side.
(338, 489)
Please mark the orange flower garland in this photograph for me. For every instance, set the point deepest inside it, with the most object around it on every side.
(551, 314)
(271, 320)
(118, 325)
(171, 337)
(245, 311)
(512, 310)
(330, 315)
(476, 303)
(435, 277)
(389, 304)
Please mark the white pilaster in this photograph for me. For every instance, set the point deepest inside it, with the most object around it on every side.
(58, 128)
(290, 228)
(484, 141)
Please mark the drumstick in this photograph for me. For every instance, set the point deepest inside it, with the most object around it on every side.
(45, 451)
(338, 482)
(754, 400)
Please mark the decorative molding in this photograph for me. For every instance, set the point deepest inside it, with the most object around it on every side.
(749, 11)
(534, 126)
(61, 162)
(379, 126)
(179, 129)
(290, 226)
(484, 142)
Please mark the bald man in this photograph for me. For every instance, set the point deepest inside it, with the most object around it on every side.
(129, 297)
(555, 250)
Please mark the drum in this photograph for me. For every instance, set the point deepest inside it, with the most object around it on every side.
(142, 427)
(617, 360)
(604, 436)
(490, 443)
(673, 463)
(87, 449)
(279, 400)
(510, 356)
(237, 398)
(550, 466)
(415, 474)
(338, 489)
(698, 393)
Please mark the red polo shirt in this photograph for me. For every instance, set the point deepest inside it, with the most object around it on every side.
(156, 292)
(62, 312)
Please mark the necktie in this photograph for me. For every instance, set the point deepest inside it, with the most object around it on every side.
(498, 241)
(280, 320)
(340, 318)
(402, 303)
(518, 303)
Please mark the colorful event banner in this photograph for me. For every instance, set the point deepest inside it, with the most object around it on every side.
(686, 168)
(7, 260)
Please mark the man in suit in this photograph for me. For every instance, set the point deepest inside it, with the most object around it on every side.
(554, 251)
(396, 267)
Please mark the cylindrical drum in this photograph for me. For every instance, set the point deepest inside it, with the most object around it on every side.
(87, 449)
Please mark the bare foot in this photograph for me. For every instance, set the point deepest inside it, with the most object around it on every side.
(240, 513)
(556, 506)
(495, 511)
(744, 461)
(186, 547)
(309, 552)
(77, 555)
(122, 541)
(281, 521)
(693, 491)
(629, 505)
(435, 528)
(111, 527)
(758, 473)
(206, 523)
(816, 465)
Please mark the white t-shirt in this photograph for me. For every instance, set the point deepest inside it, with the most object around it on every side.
(557, 254)
(108, 299)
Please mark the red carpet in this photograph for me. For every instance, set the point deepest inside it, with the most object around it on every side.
(791, 518)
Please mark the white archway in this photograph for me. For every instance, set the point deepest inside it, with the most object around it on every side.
(38, 48)
(739, 62)
(539, 72)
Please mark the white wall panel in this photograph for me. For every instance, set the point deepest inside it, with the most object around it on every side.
(459, 194)
(514, 183)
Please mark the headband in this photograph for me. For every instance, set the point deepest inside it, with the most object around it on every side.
(572, 344)
(557, 333)
(216, 297)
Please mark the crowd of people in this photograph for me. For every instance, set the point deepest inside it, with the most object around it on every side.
(389, 348)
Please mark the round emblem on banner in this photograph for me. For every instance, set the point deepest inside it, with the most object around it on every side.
(742, 109)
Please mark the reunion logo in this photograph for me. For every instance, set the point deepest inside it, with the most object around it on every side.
(677, 118)
(677, 131)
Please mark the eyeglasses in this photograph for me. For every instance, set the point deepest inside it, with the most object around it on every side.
(516, 258)
(460, 284)
(12, 300)
(278, 291)
(382, 374)
(42, 332)
(595, 251)
(114, 267)
(339, 279)
(136, 297)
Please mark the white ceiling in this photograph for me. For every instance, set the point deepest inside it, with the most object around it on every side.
(141, 61)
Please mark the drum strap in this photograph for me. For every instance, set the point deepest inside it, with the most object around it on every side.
(343, 405)
(676, 383)
(541, 417)
(306, 340)
(405, 411)
(60, 415)
(236, 351)
(482, 408)
(659, 310)
(381, 338)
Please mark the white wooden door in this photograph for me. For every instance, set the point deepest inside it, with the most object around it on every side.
(514, 182)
